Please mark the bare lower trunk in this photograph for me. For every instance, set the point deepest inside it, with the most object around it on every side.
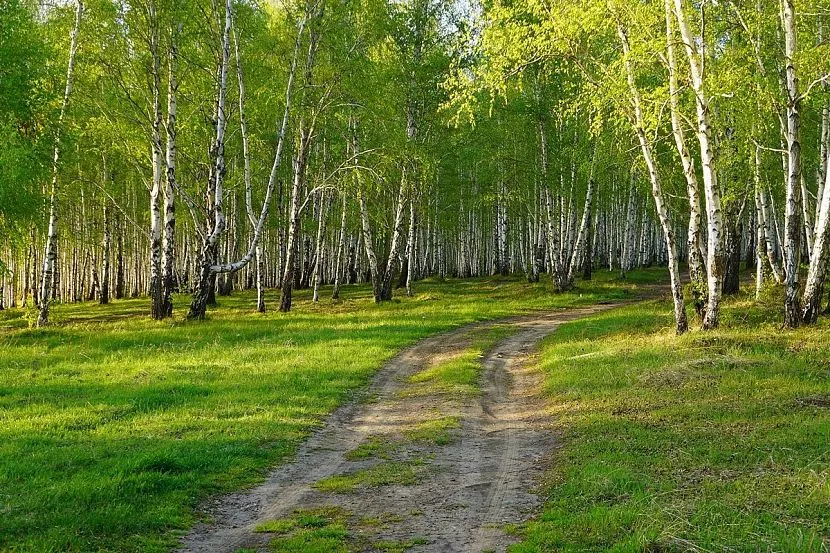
(318, 256)
(394, 247)
(105, 259)
(817, 272)
(300, 162)
(338, 260)
(583, 237)
(410, 248)
(169, 243)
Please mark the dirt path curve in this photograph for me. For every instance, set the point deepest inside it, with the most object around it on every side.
(459, 492)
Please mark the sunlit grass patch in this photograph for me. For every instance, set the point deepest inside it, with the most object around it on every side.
(697, 443)
(386, 473)
(459, 373)
(388, 546)
(434, 431)
(374, 447)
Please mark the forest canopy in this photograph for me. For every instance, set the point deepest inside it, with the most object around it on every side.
(156, 146)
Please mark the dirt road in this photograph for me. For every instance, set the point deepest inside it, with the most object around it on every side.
(414, 463)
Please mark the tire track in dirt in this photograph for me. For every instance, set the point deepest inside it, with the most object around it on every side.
(470, 488)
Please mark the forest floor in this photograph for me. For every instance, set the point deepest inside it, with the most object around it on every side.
(116, 431)
(443, 451)
(115, 428)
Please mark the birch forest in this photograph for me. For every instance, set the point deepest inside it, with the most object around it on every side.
(414, 276)
(160, 147)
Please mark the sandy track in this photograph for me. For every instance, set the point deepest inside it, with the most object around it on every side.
(470, 488)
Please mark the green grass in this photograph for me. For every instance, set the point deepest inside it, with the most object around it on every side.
(385, 473)
(331, 529)
(434, 431)
(375, 447)
(716, 441)
(114, 427)
(388, 546)
(458, 376)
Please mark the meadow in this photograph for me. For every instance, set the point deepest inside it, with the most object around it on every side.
(114, 427)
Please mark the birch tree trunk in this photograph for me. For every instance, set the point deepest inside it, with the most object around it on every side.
(206, 284)
(169, 244)
(318, 246)
(764, 221)
(817, 271)
(792, 223)
(583, 236)
(300, 163)
(366, 226)
(50, 254)
(395, 245)
(681, 323)
(696, 265)
(629, 236)
(410, 247)
(105, 257)
(156, 293)
(714, 215)
(208, 256)
(761, 245)
(338, 260)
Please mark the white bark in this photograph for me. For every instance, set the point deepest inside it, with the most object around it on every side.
(764, 221)
(51, 251)
(681, 324)
(338, 260)
(714, 215)
(792, 224)
(169, 243)
(817, 271)
(694, 243)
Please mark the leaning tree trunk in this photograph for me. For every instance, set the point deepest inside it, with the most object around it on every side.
(817, 272)
(300, 162)
(583, 238)
(681, 323)
(392, 260)
(50, 255)
(696, 266)
(206, 284)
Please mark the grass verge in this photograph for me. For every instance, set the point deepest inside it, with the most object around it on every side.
(716, 441)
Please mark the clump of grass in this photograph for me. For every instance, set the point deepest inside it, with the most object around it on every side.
(390, 546)
(690, 443)
(458, 375)
(310, 530)
(434, 431)
(375, 447)
(403, 473)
